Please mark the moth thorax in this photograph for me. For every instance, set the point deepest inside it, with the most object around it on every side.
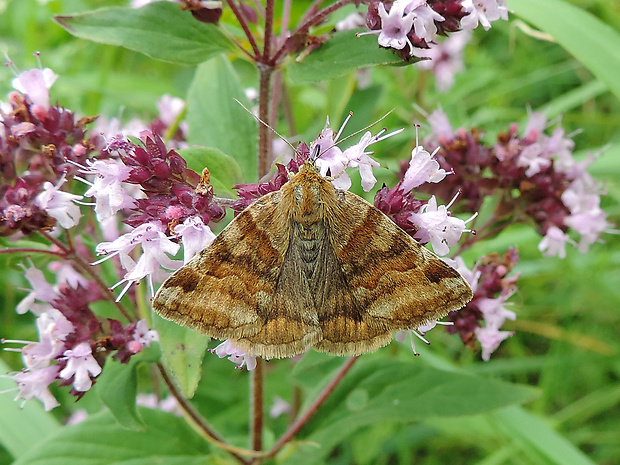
(307, 205)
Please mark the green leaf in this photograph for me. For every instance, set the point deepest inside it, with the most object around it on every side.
(216, 120)
(159, 30)
(118, 384)
(595, 44)
(182, 352)
(168, 440)
(343, 53)
(535, 437)
(382, 390)
(21, 427)
(225, 171)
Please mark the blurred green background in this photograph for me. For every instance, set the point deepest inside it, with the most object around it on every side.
(567, 336)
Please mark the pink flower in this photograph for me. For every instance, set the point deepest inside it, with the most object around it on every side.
(65, 273)
(554, 243)
(352, 21)
(582, 198)
(279, 407)
(41, 290)
(561, 148)
(494, 311)
(533, 157)
(424, 20)
(113, 127)
(144, 335)
(422, 168)
(483, 12)
(36, 383)
(357, 157)
(155, 250)
(395, 25)
(195, 236)
(110, 195)
(440, 125)
(490, 339)
(81, 365)
(235, 355)
(53, 330)
(59, 205)
(331, 159)
(170, 108)
(35, 83)
(446, 59)
(435, 225)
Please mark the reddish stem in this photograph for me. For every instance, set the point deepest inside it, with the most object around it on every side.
(264, 152)
(299, 423)
(313, 20)
(268, 31)
(256, 406)
(245, 27)
(70, 254)
(198, 420)
(33, 250)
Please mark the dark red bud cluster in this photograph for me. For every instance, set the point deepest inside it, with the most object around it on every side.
(37, 145)
(398, 205)
(249, 192)
(172, 190)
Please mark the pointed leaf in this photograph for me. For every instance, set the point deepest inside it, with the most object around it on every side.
(21, 427)
(534, 436)
(342, 53)
(168, 440)
(225, 171)
(117, 387)
(159, 30)
(385, 391)
(216, 120)
(182, 352)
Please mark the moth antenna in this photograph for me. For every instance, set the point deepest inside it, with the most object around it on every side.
(367, 127)
(267, 125)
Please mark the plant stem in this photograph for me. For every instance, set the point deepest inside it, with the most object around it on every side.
(33, 250)
(198, 421)
(264, 152)
(310, 19)
(70, 254)
(299, 423)
(256, 406)
(268, 31)
(245, 28)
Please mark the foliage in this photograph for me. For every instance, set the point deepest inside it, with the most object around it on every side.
(548, 395)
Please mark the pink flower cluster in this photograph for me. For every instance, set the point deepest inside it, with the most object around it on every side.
(176, 205)
(534, 175)
(492, 287)
(73, 342)
(409, 26)
(39, 145)
(43, 151)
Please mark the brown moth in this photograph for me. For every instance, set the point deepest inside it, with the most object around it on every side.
(311, 266)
